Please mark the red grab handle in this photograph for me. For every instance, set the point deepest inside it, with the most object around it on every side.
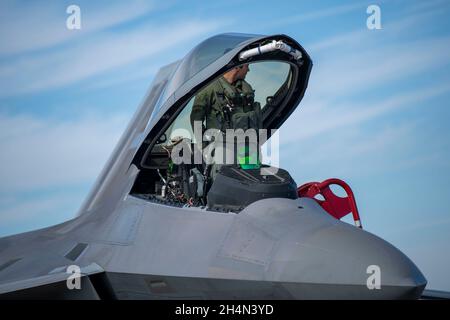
(336, 206)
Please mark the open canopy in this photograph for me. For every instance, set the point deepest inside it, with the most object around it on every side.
(279, 77)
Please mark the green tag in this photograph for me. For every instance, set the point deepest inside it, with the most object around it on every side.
(246, 160)
(170, 169)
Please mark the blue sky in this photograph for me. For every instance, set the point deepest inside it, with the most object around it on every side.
(375, 114)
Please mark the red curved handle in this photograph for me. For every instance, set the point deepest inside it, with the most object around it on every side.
(336, 206)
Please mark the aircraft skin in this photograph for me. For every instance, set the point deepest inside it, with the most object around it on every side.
(130, 248)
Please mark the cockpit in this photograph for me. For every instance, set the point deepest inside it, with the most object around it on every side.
(185, 165)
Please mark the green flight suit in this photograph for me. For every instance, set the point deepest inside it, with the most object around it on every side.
(223, 106)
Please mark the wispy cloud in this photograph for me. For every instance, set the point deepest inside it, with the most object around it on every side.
(420, 226)
(364, 64)
(326, 12)
(421, 6)
(21, 211)
(79, 62)
(348, 152)
(370, 67)
(39, 153)
(319, 117)
(18, 23)
(391, 31)
(30, 214)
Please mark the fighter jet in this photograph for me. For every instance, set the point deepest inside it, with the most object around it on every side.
(154, 229)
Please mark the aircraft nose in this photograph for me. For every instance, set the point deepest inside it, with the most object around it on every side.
(345, 262)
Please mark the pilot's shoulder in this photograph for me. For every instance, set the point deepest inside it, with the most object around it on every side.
(210, 89)
(246, 86)
(205, 96)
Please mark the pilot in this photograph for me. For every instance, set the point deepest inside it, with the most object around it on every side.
(227, 103)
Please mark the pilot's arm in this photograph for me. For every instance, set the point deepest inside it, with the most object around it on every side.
(251, 117)
(199, 108)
